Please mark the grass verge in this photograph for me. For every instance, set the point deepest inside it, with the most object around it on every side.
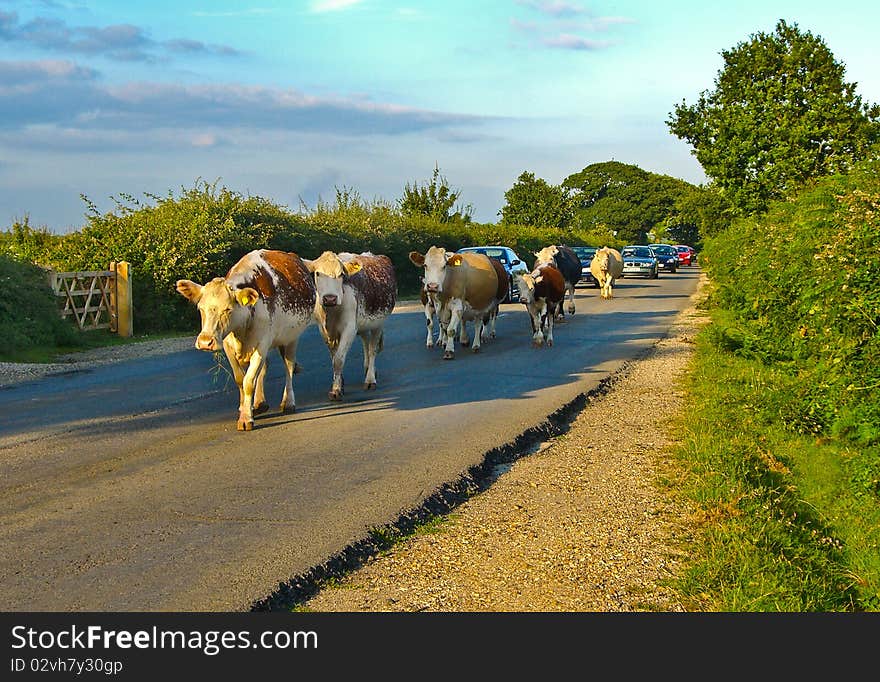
(786, 522)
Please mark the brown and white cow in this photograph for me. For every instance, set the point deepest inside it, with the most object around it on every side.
(564, 259)
(466, 286)
(355, 295)
(606, 266)
(265, 301)
(542, 291)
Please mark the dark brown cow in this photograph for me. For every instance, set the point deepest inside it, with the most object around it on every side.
(265, 301)
(542, 290)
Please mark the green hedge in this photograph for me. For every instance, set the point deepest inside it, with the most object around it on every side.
(802, 285)
(201, 232)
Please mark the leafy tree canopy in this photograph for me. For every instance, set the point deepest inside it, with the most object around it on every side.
(781, 114)
(435, 200)
(534, 201)
(623, 198)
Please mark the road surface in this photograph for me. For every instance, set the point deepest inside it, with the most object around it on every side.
(128, 488)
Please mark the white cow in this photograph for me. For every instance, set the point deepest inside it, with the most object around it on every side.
(606, 266)
(355, 295)
(265, 301)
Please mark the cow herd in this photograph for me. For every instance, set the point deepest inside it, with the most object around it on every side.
(268, 299)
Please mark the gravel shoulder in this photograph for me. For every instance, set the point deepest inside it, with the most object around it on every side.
(582, 525)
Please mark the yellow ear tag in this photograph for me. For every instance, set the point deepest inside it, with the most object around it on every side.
(455, 260)
(246, 296)
(352, 268)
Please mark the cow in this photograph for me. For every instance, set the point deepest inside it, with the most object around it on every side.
(501, 295)
(265, 301)
(466, 287)
(564, 259)
(606, 266)
(542, 291)
(355, 295)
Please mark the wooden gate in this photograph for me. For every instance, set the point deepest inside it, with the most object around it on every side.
(99, 299)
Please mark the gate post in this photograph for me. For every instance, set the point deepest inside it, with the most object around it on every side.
(121, 294)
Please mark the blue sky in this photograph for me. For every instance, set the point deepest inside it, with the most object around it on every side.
(290, 99)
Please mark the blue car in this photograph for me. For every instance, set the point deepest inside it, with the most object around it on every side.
(667, 255)
(640, 261)
(507, 257)
(585, 254)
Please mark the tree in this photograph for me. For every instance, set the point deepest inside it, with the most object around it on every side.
(435, 200)
(781, 114)
(534, 201)
(623, 198)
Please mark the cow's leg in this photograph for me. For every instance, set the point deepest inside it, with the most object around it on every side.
(288, 355)
(338, 357)
(478, 333)
(429, 321)
(455, 310)
(539, 315)
(463, 337)
(548, 333)
(237, 372)
(372, 341)
(255, 366)
(260, 404)
(570, 300)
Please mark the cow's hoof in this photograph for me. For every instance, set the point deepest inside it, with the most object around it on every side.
(288, 409)
(259, 409)
(448, 355)
(537, 344)
(244, 425)
(369, 386)
(335, 395)
(571, 311)
(465, 344)
(549, 343)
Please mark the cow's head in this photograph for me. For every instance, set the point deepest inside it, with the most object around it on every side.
(222, 309)
(601, 259)
(525, 283)
(435, 261)
(546, 255)
(331, 273)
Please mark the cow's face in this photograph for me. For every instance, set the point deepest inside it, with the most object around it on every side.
(546, 255)
(435, 261)
(330, 276)
(526, 286)
(222, 310)
(601, 260)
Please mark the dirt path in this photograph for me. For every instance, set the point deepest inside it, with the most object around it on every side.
(579, 526)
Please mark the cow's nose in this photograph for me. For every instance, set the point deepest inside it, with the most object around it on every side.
(432, 288)
(329, 299)
(204, 342)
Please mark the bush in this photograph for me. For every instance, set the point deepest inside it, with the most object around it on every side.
(29, 313)
(803, 285)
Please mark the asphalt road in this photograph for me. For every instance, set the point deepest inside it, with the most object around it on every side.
(128, 488)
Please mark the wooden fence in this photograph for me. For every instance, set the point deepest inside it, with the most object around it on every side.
(99, 299)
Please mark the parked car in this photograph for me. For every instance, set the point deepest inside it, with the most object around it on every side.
(640, 261)
(511, 262)
(586, 253)
(667, 255)
(685, 254)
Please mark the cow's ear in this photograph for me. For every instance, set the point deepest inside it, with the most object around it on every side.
(351, 267)
(310, 264)
(455, 259)
(417, 259)
(189, 290)
(539, 278)
(247, 296)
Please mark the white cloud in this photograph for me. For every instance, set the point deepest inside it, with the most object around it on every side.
(319, 6)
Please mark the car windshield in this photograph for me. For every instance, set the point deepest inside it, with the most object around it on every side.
(682, 249)
(584, 251)
(663, 249)
(637, 252)
(499, 254)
